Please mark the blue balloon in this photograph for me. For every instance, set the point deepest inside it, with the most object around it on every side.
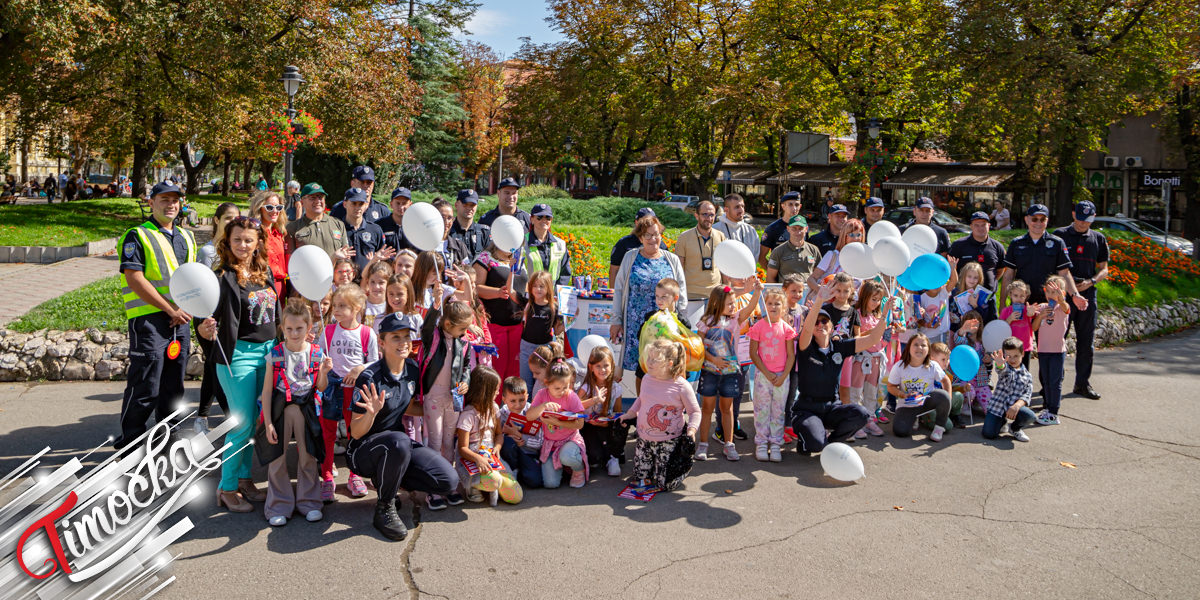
(928, 271)
(964, 362)
(907, 283)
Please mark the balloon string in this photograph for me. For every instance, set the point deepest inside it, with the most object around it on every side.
(228, 368)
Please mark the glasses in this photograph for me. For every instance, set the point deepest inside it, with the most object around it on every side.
(544, 218)
(822, 320)
(273, 207)
(1038, 219)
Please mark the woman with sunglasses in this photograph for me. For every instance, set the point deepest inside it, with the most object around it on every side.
(244, 331)
(268, 207)
(852, 231)
(820, 359)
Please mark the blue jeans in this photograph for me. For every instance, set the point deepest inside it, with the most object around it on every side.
(993, 423)
(529, 470)
(1050, 370)
(242, 382)
(571, 456)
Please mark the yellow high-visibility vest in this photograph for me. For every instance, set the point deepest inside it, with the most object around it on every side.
(160, 263)
(558, 249)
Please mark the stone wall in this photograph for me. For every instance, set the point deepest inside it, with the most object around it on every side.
(103, 355)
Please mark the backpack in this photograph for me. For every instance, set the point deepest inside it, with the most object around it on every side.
(278, 373)
(363, 331)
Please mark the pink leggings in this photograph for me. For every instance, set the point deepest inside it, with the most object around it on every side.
(853, 376)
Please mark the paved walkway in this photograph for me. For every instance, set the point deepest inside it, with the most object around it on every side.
(27, 285)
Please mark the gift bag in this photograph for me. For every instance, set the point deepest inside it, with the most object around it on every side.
(664, 325)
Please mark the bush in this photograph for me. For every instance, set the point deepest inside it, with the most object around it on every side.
(605, 210)
(541, 190)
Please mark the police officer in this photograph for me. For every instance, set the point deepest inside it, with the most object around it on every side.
(544, 251)
(872, 212)
(826, 241)
(506, 196)
(776, 234)
(365, 237)
(363, 178)
(474, 236)
(1088, 250)
(316, 228)
(392, 225)
(923, 215)
(159, 339)
(981, 248)
(1037, 255)
(378, 446)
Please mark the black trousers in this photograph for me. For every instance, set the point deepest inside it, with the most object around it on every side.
(154, 383)
(811, 417)
(209, 386)
(394, 461)
(905, 419)
(1084, 322)
(605, 442)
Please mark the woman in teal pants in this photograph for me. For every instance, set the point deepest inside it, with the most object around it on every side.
(244, 329)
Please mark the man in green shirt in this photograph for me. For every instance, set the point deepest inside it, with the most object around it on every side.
(317, 228)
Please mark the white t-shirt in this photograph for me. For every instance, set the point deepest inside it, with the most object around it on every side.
(829, 263)
(296, 369)
(373, 314)
(916, 381)
(346, 349)
(937, 313)
(1001, 216)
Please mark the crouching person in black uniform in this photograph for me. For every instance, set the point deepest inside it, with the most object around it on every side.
(378, 447)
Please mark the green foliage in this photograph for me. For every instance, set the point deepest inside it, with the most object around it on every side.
(436, 147)
(541, 190)
(82, 221)
(97, 304)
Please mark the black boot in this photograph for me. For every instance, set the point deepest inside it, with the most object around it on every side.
(387, 520)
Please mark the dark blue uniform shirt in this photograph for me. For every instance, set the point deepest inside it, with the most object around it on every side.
(1032, 262)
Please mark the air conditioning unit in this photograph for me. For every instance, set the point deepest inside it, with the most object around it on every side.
(1112, 162)
(1133, 161)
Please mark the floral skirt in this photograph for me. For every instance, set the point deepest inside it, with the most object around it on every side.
(663, 464)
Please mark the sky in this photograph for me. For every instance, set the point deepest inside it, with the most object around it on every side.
(501, 23)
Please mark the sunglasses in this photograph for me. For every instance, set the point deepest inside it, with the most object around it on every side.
(854, 236)
(1038, 219)
(273, 207)
(543, 218)
(822, 320)
(244, 221)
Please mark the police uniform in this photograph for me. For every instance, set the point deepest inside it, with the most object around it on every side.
(154, 380)
(393, 235)
(366, 238)
(824, 240)
(475, 238)
(989, 254)
(1086, 250)
(1032, 261)
(550, 255)
(775, 235)
(375, 211)
(493, 214)
(326, 233)
(816, 409)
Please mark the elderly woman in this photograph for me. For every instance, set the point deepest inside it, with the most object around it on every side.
(852, 231)
(268, 208)
(633, 289)
(291, 199)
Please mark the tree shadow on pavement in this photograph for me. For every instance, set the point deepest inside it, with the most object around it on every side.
(65, 443)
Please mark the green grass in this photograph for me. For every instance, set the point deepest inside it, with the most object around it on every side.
(81, 221)
(1148, 292)
(97, 304)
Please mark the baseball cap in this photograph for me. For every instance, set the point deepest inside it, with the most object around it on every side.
(401, 192)
(399, 322)
(363, 173)
(797, 221)
(824, 313)
(508, 182)
(313, 188)
(541, 210)
(165, 187)
(873, 202)
(924, 202)
(839, 208)
(645, 211)
(790, 196)
(1037, 209)
(1085, 211)
(356, 195)
(979, 214)
(468, 196)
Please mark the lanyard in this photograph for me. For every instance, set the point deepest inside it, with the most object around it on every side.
(700, 245)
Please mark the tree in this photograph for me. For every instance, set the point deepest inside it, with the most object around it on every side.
(436, 146)
(479, 87)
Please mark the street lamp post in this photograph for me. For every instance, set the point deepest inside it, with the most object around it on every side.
(291, 84)
(873, 127)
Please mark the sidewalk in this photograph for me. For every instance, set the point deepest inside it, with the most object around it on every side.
(28, 285)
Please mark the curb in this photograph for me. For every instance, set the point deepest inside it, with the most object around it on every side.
(52, 254)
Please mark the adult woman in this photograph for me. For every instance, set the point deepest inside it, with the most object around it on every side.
(226, 212)
(494, 285)
(268, 207)
(820, 359)
(244, 329)
(852, 231)
(633, 289)
(1000, 216)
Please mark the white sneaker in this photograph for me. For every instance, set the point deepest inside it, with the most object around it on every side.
(937, 433)
(614, 467)
(776, 455)
(314, 515)
(760, 453)
(731, 452)
(1020, 435)
(494, 497)
(277, 521)
(701, 452)
(200, 425)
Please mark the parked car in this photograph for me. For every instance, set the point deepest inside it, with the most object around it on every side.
(901, 216)
(1143, 229)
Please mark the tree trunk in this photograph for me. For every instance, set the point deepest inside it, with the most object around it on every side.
(1186, 105)
(145, 144)
(192, 170)
(247, 167)
(25, 159)
(268, 170)
(1063, 202)
(225, 173)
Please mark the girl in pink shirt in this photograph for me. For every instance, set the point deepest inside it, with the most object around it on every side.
(1051, 324)
(563, 445)
(664, 453)
(1019, 316)
(860, 377)
(773, 353)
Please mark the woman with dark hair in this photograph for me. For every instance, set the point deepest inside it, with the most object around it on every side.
(244, 330)
(226, 212)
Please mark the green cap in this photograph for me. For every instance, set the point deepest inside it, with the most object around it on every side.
(313, 188)
(797, 221)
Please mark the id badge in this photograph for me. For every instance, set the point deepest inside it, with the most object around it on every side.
(706, 264)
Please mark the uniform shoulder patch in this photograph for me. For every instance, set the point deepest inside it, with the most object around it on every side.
(129, 249)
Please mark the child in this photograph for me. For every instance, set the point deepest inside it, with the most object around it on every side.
(1051, 324)
(859, 380)
(721, 326)
(794, 286)
(743, 297)
(541, 359)
(1019, 316)
(343, 272)
(520, 450)
(841, 312)
(296, 372)
(935, 308)
(405, 262)
(352, 346)
(427, 279)
(939, 353)
(605, 438)
(320, 317)
(912, 381)
(1010, 399)
(978, 298)
(376, 278)
(443, 367)
(563, 446)
(478, 425)
(977, 391)
(666, 297)
(661, 408)
(773, 353)
(541, 319)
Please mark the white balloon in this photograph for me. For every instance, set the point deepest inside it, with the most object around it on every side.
(423, 226)
(311, 272)
(890, 255)
(842, 463)
(194, 289)
(508, 233)
(734, 259)
(920, 239)
(855, 259)
(994, 334)
(583, 351)
(880, 230)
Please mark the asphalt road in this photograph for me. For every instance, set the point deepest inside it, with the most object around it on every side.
(962, 518)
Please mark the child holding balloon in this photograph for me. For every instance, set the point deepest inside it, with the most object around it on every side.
(444, 368)
(978, 389)
(1051, 325)
(721, 377)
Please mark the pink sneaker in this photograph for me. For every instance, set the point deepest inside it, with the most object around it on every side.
(327, 487)
(578, 479)
(357, 488)
(873, 428)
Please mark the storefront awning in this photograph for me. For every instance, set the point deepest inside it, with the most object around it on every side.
(811, 175)
(743, 175)
(950, 178)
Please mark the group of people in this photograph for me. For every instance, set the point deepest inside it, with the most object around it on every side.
(444, 371)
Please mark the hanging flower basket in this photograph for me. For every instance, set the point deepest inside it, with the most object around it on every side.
(281, 135)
